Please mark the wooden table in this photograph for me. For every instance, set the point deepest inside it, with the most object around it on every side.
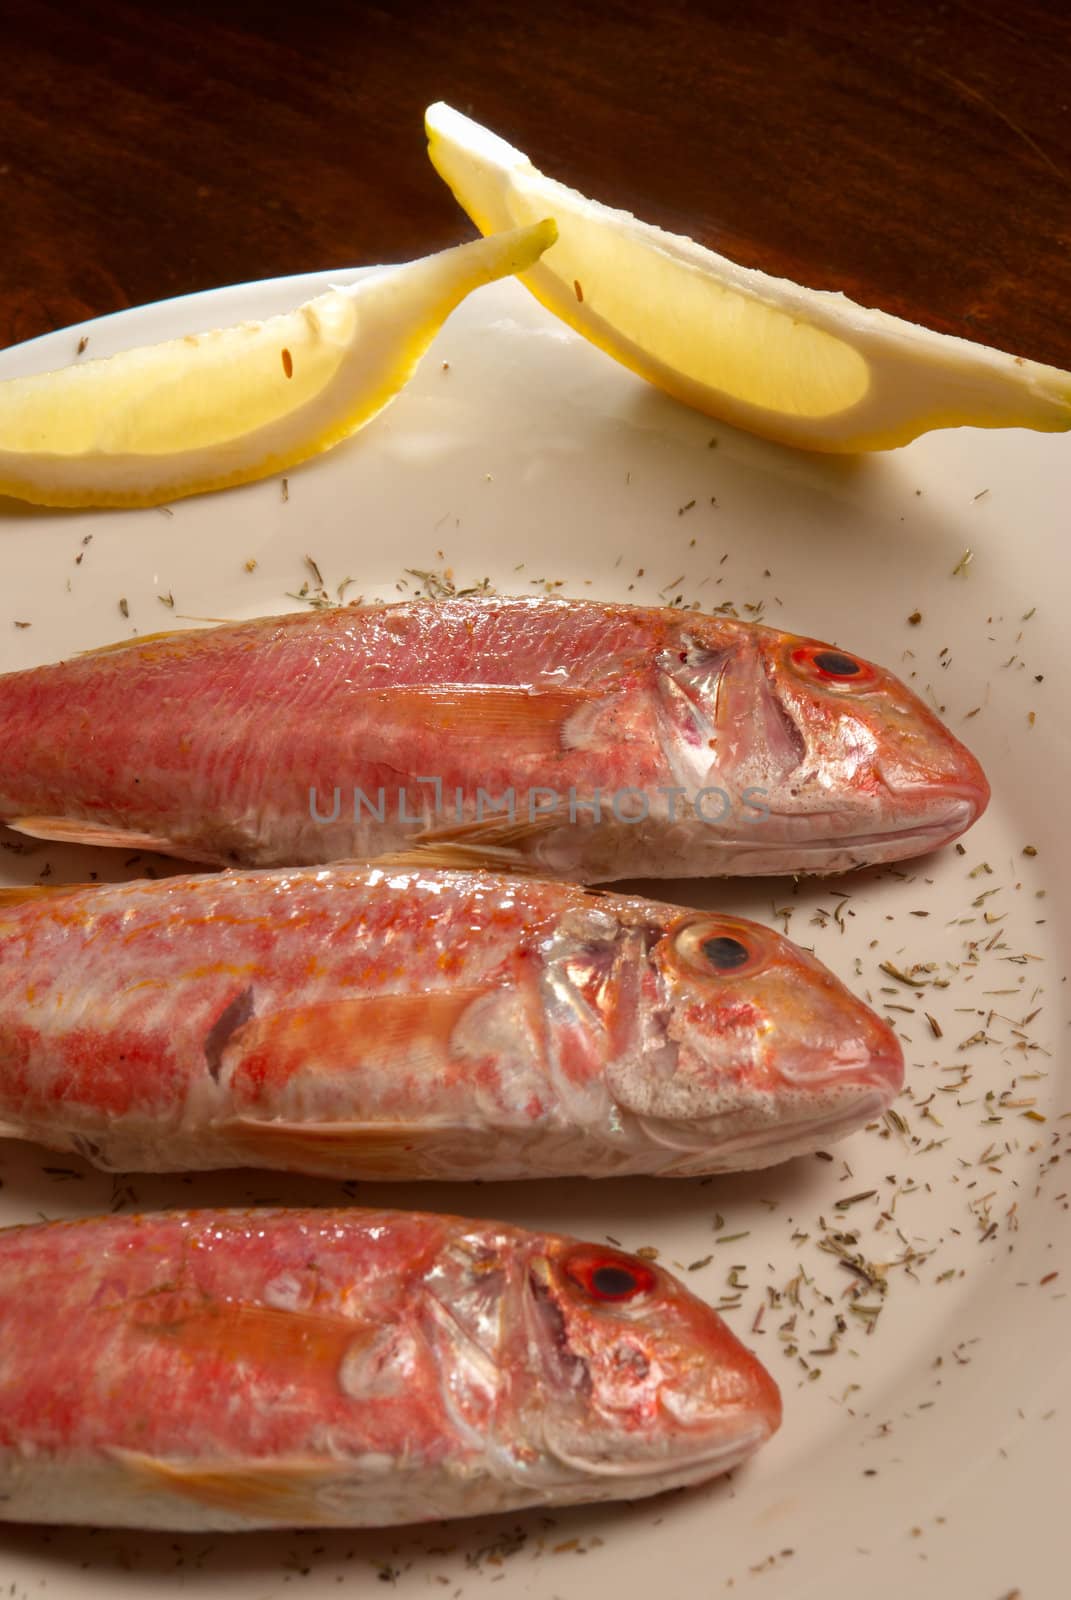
(917, 156)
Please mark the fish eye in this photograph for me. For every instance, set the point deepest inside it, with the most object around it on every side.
(725, 953)
(720, 947)
(837, 665)
(832, 666)
(609, 1277)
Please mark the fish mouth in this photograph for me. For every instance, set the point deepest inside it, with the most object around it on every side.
(933, 830)
(799, 1138)
(702, 1151)
(678, 1468)
(812, 841)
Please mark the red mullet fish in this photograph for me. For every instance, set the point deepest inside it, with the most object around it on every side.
(573, 738)
(420, 1023)
(229, 1370)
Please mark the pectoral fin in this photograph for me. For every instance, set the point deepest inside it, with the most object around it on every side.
(308, 1346)
(533, 716)
(260, 1057)
(284, 1491)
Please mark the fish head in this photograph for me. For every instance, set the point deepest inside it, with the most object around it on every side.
(745, 1050)
(636, 1378)
(869, 739)
(842, 763)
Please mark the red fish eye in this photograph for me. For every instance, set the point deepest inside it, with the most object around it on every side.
(609, 1277)
(837, 665)
(614, 1283)
(833, 666)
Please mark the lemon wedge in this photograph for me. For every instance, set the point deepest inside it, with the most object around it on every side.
(240, 403)
(802, 366)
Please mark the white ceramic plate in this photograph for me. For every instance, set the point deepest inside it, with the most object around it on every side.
(930, 1449)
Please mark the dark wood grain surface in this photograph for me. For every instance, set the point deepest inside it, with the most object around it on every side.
(917, 156)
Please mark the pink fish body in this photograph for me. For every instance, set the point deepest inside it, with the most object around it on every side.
(588, 741)
(420, 1023)
(230, 1370)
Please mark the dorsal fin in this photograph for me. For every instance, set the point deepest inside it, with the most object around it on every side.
(138, 639)
(17, 894)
